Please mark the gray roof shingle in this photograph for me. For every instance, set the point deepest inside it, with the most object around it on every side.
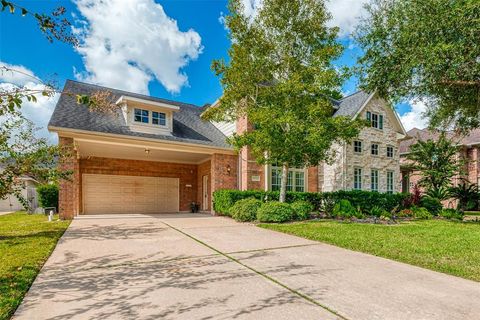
(350, 105)
(187, 125)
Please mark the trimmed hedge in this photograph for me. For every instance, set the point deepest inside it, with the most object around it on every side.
(223, 200)
(302, 209)
(275, 211)
(245, 209)
(48, 195)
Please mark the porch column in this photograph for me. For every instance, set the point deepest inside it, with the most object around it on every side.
(312, 179)
(69, 190)
(224, 172)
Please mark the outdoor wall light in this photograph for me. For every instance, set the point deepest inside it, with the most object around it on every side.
(147, 151)
(228, 169)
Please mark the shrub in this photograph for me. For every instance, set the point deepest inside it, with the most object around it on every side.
(302, 209)
(275, 211)
(245, 209)
(345, 210)
(378, 212)
(223, 200)
(451, 214)
(48, 195)
(421, 213)
(405, 213)
(414, 198)
(431, 204)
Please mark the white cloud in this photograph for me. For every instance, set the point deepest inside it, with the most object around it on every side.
(346, 14)
(15, 74)
(127, 44)
(415, 117)
(39, 112)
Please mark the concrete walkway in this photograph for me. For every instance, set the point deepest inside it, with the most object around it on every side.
(201, 267)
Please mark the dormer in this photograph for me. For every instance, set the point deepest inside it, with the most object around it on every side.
(146, 116)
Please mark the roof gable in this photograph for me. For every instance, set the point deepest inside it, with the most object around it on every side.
(188, 127)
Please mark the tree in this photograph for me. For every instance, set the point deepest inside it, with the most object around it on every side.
(24, 154)
(436, 161)
(280, 76)
(427, 50)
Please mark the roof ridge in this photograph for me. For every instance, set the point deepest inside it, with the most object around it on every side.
(352, 94)
(186, 104)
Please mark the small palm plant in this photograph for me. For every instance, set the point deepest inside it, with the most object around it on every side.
(467, 196)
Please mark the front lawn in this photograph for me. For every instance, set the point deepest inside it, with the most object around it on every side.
(444, 246)
(26, 242)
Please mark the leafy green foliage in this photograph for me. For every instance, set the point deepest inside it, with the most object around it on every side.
(427, 50)
(378, 211)
(431, 204)
(421, 213)
(451, 214)
(280, 76)
(436, 161)
(48, 195)
(441, 193)
(245, 209)
(366, 200)
(24, 154)
(467, 195)
(302, 209)
(275, 211)
(345, 210)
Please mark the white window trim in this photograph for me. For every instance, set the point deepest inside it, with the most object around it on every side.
(377, 182)
(393, 181)
(361, 178)
(150, 123)
(378, 149)
(305, 176)
(393, 151)
(361, 147)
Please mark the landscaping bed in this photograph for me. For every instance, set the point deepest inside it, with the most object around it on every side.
(26, 241)
(444, 246)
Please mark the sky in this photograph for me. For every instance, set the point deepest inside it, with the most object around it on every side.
(160, 48)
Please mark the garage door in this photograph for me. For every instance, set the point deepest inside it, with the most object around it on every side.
(127, 194)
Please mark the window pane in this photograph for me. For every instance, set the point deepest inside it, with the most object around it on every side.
(374, 180)
(276, 179)
(158, 118)
(290, 181)
(380, 124)
(357, 179)
(299, 181)
(374, 120)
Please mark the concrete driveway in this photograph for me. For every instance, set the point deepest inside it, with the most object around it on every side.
(185, 266)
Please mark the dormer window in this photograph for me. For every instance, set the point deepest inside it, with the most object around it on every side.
(141, 115)
(159, 118)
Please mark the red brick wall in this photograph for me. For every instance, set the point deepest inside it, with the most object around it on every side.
(69, 193)
(312, 182)
(221, 178)
(203, 169)
(187, 173)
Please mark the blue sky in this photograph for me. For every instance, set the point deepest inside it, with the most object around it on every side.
(163, 49)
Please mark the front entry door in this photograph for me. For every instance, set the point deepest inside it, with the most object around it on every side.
(205, 193)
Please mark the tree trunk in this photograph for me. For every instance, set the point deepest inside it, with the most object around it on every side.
(283, 185)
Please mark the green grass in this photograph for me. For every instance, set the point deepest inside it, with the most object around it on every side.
(472, 213)
(444, 246)
(26, 242)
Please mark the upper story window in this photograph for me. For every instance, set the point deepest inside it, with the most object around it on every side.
(374, 149)
(389, 151)
(376, 120)
(357, 146)
(141, 115)
(159, 118)
(295, 179)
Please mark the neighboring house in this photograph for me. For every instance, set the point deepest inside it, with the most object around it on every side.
(469, 151)
(11, 203)
(155, 155)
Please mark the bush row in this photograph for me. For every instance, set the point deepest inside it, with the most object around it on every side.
(223, 200)
(251, 209)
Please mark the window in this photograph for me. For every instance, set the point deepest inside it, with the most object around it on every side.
(357, 146)
(374, 149)
(295, 179)
(141, 115)
(389, 151)
(376, 120)
(389, 181)
(374, 180)
(158, 118)
(357, 179)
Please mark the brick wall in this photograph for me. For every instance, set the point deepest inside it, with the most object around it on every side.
(69, 193)
(313, 179)
(204, 170)
(187, 173)
(221, 178)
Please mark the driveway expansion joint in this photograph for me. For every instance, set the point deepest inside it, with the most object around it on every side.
(262, 274)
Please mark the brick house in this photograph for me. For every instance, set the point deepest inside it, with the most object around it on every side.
(469, 152)
(155, 155)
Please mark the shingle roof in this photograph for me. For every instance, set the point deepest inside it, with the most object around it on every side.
(187, 125)
(350, 105)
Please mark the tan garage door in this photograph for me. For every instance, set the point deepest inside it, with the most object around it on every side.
(127, 194)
